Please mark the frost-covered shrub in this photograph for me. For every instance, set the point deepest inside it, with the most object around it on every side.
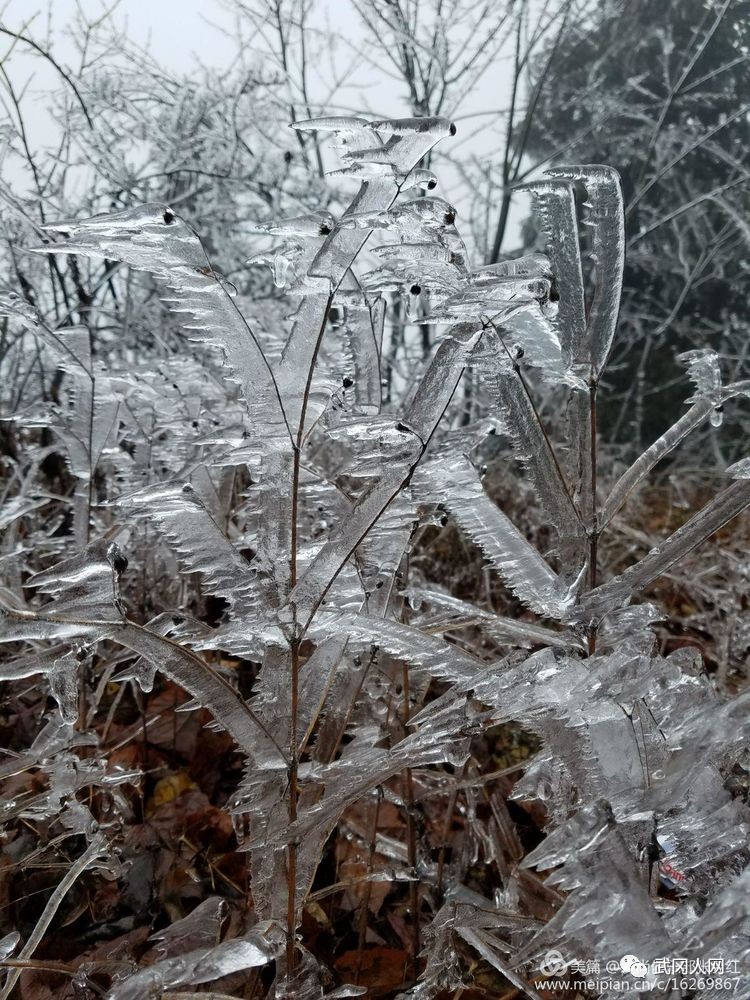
(291, 496)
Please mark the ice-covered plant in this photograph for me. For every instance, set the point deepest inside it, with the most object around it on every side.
(298, 505)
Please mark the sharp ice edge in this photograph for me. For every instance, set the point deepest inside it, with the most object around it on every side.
(607, 220)
(455, 482)
(201, 965)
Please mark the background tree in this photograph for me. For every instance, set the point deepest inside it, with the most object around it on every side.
(661, 91)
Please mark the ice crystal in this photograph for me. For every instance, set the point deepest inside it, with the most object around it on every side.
(298, 506)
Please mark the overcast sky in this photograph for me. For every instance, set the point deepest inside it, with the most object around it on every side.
(175, 30)
(178, 33)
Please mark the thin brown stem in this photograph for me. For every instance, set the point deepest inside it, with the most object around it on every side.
(42, 966)
(594, 526)
(365, 906)
(291, 912)
(447, 823)
(411, 834)
(537, 417)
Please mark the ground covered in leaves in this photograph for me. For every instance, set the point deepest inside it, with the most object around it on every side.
(178, 846)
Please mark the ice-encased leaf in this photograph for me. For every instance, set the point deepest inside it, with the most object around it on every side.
(197, 539)
(529, 334)
(663, 445)
(534, 450)
(316, 682)
(437, 127)
(607, 727)
(95, 851)
(290, 260)
(482, 942)
(491, 297)
(556, 208)
(19, 506)
(403, 150)
(183, 666)
(201, 965)
(739, 470)
(419, 178)
(199, 929)
(439, 658)
(606, 217)
(85, 419)
(331, 123)
(330, 788)
(206, 684)
(15, 306)
(423, 415)
(63, 686)
(705, 374)
(454, 482)
(724, 914)
(91, 417)
(362, 767)
(608, 910)
(141, 671)
(8, 944)
(153, 238)
(705, 840)
(420, 218)
(708, 399)
(363, 443)
(718, 512)
(84, 586)
(459, 614)
(313, 224)
(380, 554)
(362, 325)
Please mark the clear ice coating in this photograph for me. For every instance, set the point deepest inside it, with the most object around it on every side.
(293, 490)
(454, 482)
(606, 218)
(201, 965)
